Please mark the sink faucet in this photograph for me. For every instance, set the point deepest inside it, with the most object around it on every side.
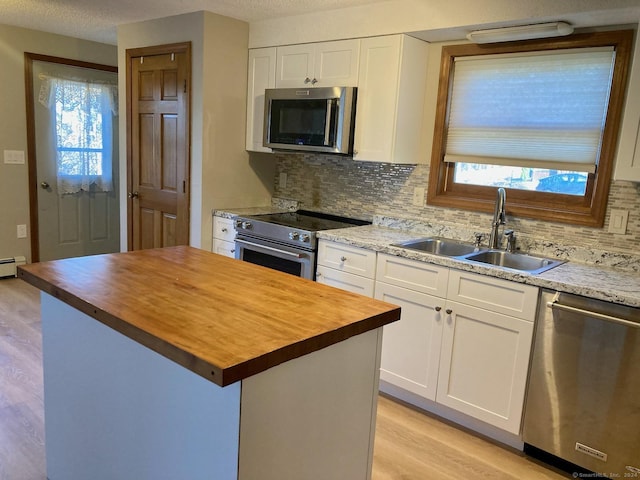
(499, 218)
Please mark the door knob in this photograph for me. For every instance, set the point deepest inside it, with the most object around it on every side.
(44, 185)
(133, 194)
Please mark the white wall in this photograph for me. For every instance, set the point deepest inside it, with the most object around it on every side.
(14, 186)
(442, 20)
(221, 173)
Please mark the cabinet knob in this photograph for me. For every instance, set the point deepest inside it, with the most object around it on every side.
(343, 259)
(307, 80)
(314, 81)
(449, 311)
(224, 230)
(438, 309)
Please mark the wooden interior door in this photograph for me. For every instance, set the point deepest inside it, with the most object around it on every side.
(158, 87)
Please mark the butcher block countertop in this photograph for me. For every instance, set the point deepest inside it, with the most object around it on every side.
(219, 317)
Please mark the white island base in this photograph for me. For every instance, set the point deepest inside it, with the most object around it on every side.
(116, 410)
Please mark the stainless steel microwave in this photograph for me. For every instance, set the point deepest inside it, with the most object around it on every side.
(310, 119)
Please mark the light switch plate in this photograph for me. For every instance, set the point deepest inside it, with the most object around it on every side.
(618, 221)
(14, 156)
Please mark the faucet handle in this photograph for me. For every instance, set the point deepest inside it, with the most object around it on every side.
(511, 241)
(479, 237)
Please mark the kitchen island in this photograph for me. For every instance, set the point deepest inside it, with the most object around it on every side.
(177, 363)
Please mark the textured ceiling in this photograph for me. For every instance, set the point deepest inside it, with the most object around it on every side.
(97, 19)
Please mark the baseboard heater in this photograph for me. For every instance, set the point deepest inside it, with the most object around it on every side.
(8, 266)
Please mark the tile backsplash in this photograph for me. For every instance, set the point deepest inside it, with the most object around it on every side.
(343, 186)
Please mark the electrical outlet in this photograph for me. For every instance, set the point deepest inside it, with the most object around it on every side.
(418, 196)
(618, 221)
(283, 180)
(22, 231)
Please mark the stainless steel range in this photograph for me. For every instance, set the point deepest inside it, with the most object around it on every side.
(286, 241)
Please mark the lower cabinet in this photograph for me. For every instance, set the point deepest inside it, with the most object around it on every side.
(346, 267)
(224, 237)
(463, 340)
(483, 365)
(411, 346)
(466, 346)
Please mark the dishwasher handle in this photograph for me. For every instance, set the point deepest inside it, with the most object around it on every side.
(600, 316)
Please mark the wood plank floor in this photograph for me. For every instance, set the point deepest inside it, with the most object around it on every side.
(410, 445)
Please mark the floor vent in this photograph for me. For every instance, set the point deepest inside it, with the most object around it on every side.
(8, 266)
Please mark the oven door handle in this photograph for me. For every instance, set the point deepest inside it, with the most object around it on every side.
(258, 245)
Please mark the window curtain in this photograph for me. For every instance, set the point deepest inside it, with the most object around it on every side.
(541, 109)
(82, 114)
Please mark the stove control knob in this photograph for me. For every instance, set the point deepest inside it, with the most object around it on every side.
(304, 238)
(238, 224)
(246, 225)
(293, 235)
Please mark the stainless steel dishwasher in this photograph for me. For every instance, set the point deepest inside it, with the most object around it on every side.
(583, 397)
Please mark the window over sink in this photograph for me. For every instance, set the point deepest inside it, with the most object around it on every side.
(538, 117)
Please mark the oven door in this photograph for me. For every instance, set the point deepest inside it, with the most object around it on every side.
(276, 256)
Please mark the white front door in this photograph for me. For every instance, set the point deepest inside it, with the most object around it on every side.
(84, 222)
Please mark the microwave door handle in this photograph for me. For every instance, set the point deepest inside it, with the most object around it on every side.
(327, 122)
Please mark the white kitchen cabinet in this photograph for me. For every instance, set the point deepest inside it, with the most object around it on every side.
(262, 75)
(346, 267)
(463, 340)
(390, 104)
(485, 351)
(411, 346)
(224, 236)
(628, 156)
(324, 64)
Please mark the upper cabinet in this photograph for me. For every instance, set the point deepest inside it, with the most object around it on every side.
(262, 75)
(391, 93)
(390, 73)
(628, 157)
(326, 64)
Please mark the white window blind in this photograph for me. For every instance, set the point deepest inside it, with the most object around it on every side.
(542, 109)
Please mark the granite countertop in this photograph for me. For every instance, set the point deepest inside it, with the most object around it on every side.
(603, 283)
(192, 307)
(583, 276)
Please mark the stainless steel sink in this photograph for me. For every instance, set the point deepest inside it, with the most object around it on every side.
(439, 246)
(514, 261)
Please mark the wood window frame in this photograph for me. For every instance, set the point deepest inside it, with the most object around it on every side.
(587, 210)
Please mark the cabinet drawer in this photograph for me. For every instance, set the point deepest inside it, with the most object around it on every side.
(501, 296)
(222, 247)
(223, 229)
(345, 281)
(346, 258)
(418, 276)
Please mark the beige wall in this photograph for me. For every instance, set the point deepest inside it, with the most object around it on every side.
(221, 173)
(14, 187)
